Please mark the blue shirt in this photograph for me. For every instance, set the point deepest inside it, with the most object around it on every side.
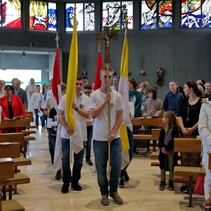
(173, 102)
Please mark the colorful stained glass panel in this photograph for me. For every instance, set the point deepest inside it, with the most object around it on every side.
(191, 13)
(89, 17)
(206, 14)
(42, 16)
(148, 14)
(52, 17)
(165, 14)
(114, 14)
(85, 16)
(10, 13)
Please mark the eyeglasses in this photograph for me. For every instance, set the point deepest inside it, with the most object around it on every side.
(105, 76)
(79, 84)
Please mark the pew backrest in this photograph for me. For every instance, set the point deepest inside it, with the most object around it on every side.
(8, 149)
(12, 137)
(13, 123)
(192, 145)
(6, 168)
(154, 122)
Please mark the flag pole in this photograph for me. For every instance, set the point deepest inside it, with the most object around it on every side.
(107, 62)
(57, 40)
(109, 122)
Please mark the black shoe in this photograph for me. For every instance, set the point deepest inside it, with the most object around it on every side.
(65, 188)
(89, 162)
(76, 187)
(126, 177)
(171, 185)
(121, 183)
(184, 189)
(58, 175)
(162, 186)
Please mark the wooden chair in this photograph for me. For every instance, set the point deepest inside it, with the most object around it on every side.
(6, 171)
(192, 145)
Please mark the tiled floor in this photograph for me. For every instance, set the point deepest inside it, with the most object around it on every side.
(140, 193)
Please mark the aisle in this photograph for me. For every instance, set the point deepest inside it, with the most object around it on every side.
(140, 193)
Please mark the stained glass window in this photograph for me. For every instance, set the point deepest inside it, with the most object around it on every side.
(196, 13)
(156, 14)
(114, 14)
(10, 13)
(206, 14)
(85, 16)
(43, 16)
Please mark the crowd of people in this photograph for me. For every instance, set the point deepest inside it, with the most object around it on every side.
(185, 112)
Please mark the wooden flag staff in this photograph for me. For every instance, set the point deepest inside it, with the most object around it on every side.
(57, 40)
(107, 36)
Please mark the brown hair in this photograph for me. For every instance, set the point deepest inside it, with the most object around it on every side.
(134, 83)
(192, 84)
(88, 86)
(170, 115)
(79, 78)
(154, 92)
(9, 87)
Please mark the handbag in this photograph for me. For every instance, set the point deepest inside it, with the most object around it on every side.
(198, 187)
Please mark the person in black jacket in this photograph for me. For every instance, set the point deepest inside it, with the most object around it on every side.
(167, 157)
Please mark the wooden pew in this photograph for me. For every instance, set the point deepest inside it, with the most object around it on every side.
(6, 168)
(141, 121)
(191, 145)
(17, 122)
(22, 123)
(153, 136)
(148, 122)
(209, 164)
(6, 171)
(13, 138)
(11, 150)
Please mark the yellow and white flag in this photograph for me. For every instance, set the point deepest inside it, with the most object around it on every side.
(123, 90)
(76, 138)
(72, 75)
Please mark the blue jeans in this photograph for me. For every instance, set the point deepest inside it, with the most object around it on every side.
(37, 118)
(101, 158)
(77, 165)
(43, 119)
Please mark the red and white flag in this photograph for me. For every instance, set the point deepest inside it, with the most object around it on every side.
(56, 81)
(97, 81)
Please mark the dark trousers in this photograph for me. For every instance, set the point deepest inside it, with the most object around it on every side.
(77, 165)
(88, 142)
